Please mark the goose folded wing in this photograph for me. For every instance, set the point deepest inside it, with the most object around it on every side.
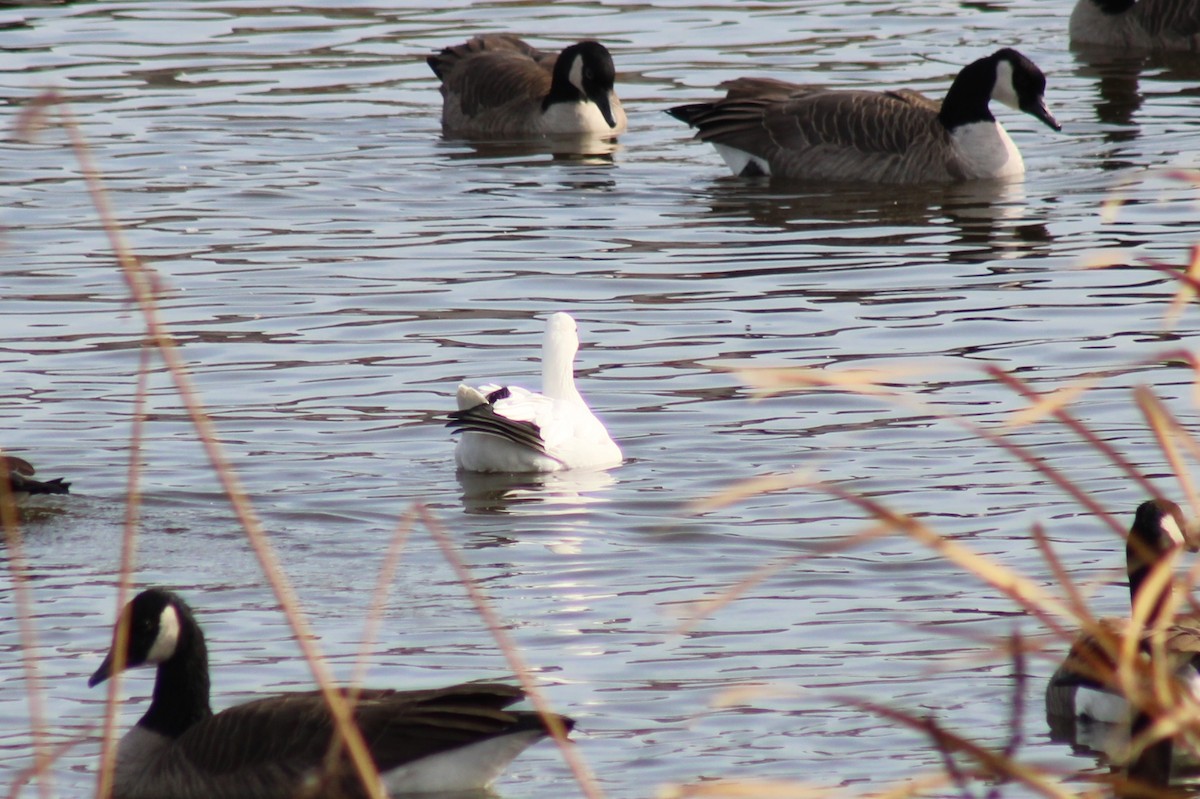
(496, 79)
(872, 134)
(485, 419)
(293, 733)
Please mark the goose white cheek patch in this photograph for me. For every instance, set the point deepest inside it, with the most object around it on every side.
(167, 638)
(1003, 90)
(576, 75)
(1171, 528)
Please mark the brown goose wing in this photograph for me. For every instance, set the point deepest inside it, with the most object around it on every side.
(809, 132)
(444, 63)
(1168, 17)
(291, 734)
(870, 135)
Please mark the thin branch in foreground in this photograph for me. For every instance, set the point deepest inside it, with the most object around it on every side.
(583, 774)
(143, 285)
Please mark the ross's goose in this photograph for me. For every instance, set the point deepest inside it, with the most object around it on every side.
(512, 429)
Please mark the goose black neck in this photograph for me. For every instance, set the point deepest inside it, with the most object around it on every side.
(1114, 6)
(1137, 581)
(181, 688)
(969, 95)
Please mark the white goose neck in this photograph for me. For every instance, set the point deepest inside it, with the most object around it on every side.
(558, 358)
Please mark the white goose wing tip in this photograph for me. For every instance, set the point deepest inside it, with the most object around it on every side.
(469, 397)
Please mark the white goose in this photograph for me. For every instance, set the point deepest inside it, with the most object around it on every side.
(512, 429)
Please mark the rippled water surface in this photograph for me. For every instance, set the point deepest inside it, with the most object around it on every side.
(332, 268)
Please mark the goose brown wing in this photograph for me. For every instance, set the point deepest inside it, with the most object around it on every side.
(496, 71)
(871, 124)
(1168, 17)
(809, 132)
(443, 63)
(292, 733)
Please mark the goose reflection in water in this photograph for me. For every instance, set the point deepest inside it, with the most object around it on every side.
(552, 492)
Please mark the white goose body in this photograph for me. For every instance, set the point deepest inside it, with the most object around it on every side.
(512, 429)
(794, 131)
(1141, 25)
(457, 738)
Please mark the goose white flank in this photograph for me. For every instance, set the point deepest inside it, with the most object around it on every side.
(512, 429)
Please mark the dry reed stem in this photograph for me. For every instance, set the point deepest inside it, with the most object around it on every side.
(818, 378)
(579, 768)
(1163, 423)
(24, 775)
(1027, 594)
(706, 608)
(133, 504)
(1060, 412)
(143, 286)
(768, 789)
(1074, 598)
(18, 568)
(992, 763)
(387, 573)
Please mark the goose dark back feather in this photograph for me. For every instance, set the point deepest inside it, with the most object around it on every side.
(808, 132)
(493, 73)
(1145, 24)
(1176, 18)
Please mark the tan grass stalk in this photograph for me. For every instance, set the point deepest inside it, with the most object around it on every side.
(773, 383)
(383, 583)
(783, 789)
(583, 774)
(1056, 404)
(993, 764)
(143, 286)
(133, 504)
(1027, 594)
(701, 610)
(18, 569)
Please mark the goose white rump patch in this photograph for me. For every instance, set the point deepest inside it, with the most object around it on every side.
(462, 769)
(739, 160)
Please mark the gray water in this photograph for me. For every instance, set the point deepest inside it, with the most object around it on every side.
(332, 269)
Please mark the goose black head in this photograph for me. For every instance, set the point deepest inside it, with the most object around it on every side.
(584, 72)
(1158, 529)
(1021, 85)
(156, 620)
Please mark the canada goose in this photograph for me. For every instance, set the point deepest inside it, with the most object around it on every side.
(21, 484)
(447, 739)
(1082, 686)
(770, 127)
(511, 429)
(1139, 24)
(498, 87)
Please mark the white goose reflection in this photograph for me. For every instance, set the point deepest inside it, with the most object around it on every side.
(552, 492)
